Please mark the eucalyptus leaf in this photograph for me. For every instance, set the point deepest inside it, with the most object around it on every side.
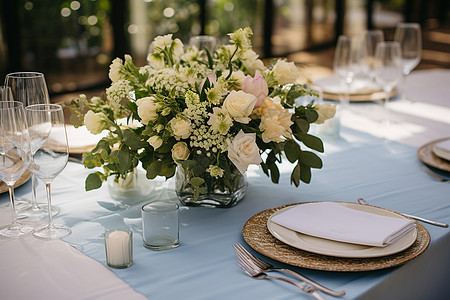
(93, 181)
(302, 124)
(311, 141)
(305, 173)
(132, 140)
(311, 159)
(292, 150)
(154, 169)
(295, 175)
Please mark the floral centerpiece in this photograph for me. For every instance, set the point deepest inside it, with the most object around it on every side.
(203, 116)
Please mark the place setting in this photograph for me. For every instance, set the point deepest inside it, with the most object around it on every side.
(336, 236)
(436, 154)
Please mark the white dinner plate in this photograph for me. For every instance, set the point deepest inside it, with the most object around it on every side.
(340, 249)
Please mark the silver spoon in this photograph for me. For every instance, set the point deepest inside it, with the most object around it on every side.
(362, 201)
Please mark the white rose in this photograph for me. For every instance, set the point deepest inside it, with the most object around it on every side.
(115, 70)
(240, 105)
(181, 127)
(325, 111)
(147, 109)
(155, 141)
(243, 151)
(180, 151)
(285, 72)
(95, 122)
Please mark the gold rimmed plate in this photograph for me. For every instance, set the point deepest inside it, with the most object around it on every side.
(340, 249)
(24, 178)
(362, 89)
(427, 156)
(258, 236)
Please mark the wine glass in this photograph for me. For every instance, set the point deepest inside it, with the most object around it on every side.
(369, 41)
(14, 158)
(50, 155)
(409, 35)
(204, 43)
(28, 88)
(388, 69)
(346, 62)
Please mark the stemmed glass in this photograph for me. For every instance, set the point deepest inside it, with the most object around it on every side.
(14, 157)
(409, 35)
(388, 69)
(50, 155)
(369, 41)
(346, 62)
(28, 88)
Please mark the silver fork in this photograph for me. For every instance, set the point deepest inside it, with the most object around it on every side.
(265, 266)
(261, 275)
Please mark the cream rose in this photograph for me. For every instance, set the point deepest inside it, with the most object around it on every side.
(95, 122)
(243, 151)
(180, 151)
(240, 105)
(181, 127)
(147, 109)
(325, 111)
(155, 141)
(285, 72)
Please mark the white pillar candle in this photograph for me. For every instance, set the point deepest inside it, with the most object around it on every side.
(118, 248)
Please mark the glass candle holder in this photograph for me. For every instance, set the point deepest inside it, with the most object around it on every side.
(119, 248)
(160, 229)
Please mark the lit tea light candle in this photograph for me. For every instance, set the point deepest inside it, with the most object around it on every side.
(119, 248)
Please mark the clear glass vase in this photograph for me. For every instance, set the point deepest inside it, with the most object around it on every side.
(131, 190)
(218, 193)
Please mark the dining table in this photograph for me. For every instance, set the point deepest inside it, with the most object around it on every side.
(383, 167)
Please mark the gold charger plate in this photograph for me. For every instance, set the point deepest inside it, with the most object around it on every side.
(24, 178)
(427, 156)
(376, 96)
(257, 235)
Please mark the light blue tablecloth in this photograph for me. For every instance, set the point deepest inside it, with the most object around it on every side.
(387, 174)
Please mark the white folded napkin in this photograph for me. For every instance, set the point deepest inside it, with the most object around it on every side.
(442, 149)
(339, 223)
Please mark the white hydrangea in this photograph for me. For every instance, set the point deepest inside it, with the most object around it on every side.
(118, 91)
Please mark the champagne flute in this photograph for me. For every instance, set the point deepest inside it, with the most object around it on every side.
(51, 153)
(28, 88)
(346, 63)
(369, 41)
(388, 70)
(409, 35)
(14, 158)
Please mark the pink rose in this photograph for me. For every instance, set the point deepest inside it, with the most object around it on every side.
(256, 86)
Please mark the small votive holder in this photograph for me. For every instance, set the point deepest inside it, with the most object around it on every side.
(160, 228)
(119, 248)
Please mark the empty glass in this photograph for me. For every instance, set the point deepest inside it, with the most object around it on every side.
(28, 88)
(409, 35)
(14, 158)
(388, 69)
(369, 41)
(160, 225)
(346, 62)
(50, 155)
